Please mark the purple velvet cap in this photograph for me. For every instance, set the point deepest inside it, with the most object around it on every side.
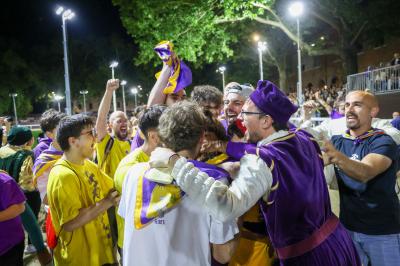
(272, 101)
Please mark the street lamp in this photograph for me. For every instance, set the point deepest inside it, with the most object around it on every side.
(13, 95)
(222, 70)
(84, 92)
(66, 15)
(123, 83)
(58, 98)
(296, 10)
(135, 91)
(113, 65)
(261, 47)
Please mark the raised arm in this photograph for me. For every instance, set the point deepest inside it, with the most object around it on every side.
(156, 95)
(104, 108)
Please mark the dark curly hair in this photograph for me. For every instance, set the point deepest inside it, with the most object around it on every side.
(50, 119)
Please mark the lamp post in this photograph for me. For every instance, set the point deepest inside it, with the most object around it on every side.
(296, 10)
(66, 15)
(14, 95)
(261, 46)
(135, 91)
(58, 98)
(84, 92)
(222, 70)
(123, 83)
(113, 65)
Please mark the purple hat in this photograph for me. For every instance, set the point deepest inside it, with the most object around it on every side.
(272, 101)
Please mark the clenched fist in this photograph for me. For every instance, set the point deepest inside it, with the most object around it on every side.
(112, 84)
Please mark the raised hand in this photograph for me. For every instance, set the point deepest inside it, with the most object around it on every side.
(112, 84)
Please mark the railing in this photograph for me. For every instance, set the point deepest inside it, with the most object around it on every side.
(315, 120)
(379, 81)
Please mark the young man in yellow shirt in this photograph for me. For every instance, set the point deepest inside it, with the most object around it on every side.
(111, 148)
(79, 194)
(148, 123)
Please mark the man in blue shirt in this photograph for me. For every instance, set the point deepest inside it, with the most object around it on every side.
(365, 164)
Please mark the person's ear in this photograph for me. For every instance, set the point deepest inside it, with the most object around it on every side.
(266, 122)
(374, 111)
(72, 141)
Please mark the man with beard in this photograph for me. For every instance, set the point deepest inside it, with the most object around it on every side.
(111, 148)
(284, 171)
(365, 162)
(234, 99)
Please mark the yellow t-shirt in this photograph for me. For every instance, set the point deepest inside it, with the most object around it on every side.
(118, 151)
(137, 156)
(72, 187)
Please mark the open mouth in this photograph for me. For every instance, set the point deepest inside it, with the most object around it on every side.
(351, 117)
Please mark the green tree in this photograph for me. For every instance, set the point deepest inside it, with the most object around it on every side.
(206, 30)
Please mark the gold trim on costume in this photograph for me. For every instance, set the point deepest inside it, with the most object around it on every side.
(272, 165)
(275, 187)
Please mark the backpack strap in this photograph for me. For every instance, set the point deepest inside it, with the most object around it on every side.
(107, 151)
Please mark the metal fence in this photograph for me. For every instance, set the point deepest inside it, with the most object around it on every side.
(379, 81)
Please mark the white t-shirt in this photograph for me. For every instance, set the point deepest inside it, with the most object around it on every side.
(181, 237)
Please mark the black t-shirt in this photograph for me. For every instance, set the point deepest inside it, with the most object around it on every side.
(370, 208)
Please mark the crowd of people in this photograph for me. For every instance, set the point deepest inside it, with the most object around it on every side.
(217, 178)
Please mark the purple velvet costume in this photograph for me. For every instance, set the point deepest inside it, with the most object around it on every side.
(299, 202)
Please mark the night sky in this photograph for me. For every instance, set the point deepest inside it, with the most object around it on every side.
(35, 22)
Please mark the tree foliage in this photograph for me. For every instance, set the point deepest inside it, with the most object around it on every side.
(206, 30)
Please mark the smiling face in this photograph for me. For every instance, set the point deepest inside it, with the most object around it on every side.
(84, 143)
(233, 104)
(119, 124)
(256, 122)
(360, 108)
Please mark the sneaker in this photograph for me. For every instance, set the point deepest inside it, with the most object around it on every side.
(29, 249)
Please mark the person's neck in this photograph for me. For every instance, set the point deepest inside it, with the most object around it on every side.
(187, 154)
(359, 131)
(74, 157)
(56, 145)
(147, 148)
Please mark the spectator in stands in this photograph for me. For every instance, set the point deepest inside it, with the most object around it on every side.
(395, 114)
(395, 60)
(366, 164)
(396, 122)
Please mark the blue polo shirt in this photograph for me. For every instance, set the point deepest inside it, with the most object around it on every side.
(373, 207)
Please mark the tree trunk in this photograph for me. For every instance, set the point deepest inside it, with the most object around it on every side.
(349, 59)
(283, 82)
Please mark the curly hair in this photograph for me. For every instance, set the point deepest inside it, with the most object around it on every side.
(206, 94)
(181, 126)
(50, 119)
